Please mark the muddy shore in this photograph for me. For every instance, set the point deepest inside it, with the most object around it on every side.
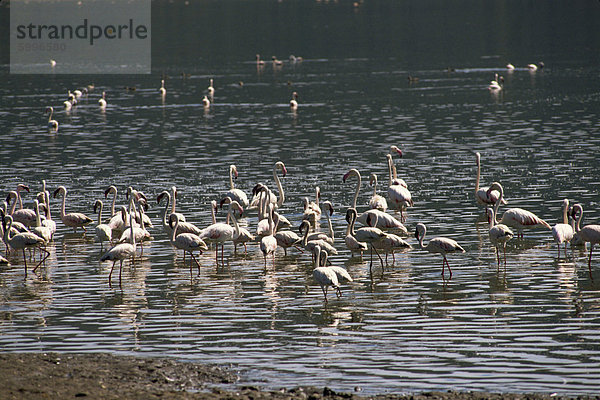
(104, 376)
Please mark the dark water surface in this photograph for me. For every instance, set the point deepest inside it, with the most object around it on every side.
(532, 327)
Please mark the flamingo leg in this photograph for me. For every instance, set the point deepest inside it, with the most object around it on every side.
(25, 260)
(324, 288)
(197, 263)
(590, 259)
(504, 248)
(110, 274)
(120, 272)
(42, 260)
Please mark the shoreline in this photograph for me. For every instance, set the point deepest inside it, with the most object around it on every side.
(106, 376)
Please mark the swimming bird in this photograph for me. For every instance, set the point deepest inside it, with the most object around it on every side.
(233, 193)
(441, 245)
(377, 201)
(121, 251)
(563, 232)
(276, 63)
(510, 67)
(52, 123)
(499, 234)
(588, 234)
(73, 220)
(103, 231)
(188, 242)
(482, 197)
(52, 63)
(516, 218)
(496, 84)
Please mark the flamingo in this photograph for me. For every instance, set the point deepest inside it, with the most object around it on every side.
(589, 233)
(394, 180)
(23, 215)
(268, 243)
(384, 220)
(244, 235)
(563, 232)
(116, 222)
(324, 276)
(206, 102)
(272, 198)
(121, 251)
(42, 231)
(102, 101)
(309, 244)
(233, 193)
(259, 63)
(276, 63)
(52, 63)
(341, 273)
(496, 84)
(312, 210)
(481, 193)
(369, 234)
(390, 243)
(162, 90)
(70, 102)
(377, 201)
(211, 90)
(510, 67)
(294, 101)
(399, 196)
(183, 225)
(73, 220)
(103, 231)
(441, 245)
(516, 218)
(220, 233)
(49, 222)
(22, 241)
(140, 232)
(351, 243)
(499, 235)
(52, 123)
(188, 242)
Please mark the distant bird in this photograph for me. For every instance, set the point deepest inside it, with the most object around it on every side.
(52, 63)
(563, 232)
(205, 102)
(499, 234)
(294, 101)
(211, 89)
(73, 220)
(516, 218)
(496, 84)
(441, 245)
(482, 197)
(510, 67)
(259, 63)
(162, 90)
(102, 101)
(276, 62)
(52, 124)
(589, 233)
(103, 231)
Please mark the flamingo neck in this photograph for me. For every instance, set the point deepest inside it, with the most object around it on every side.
(478, 174)
(330, 226)
(498, 201)
(174, 200)
(47, 199)
(565, 218)
(64, 203)
(165, 221)
(14, 205)
(357, 191)
(100, 214)
(279, 187)
(114, 201)
(231, 178)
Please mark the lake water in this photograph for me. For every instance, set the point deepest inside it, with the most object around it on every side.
(534, 326)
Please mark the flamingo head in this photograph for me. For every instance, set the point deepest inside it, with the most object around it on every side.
(420, 231)
(348, 174)
(257, 188)
(111, 189)
(172, 220)
(61, 189)
(350, 214)
(397, 150)
(21, 187)
(327, 204)
(161, 195)
(304, 225)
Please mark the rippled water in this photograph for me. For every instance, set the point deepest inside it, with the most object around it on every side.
(533, 326)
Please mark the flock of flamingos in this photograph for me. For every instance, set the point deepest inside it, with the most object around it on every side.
(382, 232)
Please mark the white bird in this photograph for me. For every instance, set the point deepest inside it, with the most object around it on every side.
(52, 63)
(42, 231)
(220, 233)
(309, 245)
(49, 222)
(116, 221)
(268, 243)
(286, 239)
(25, 216)
(576, 241)
(377, 201)
(121, 251)
(188, 242)
(259, 63)
(294, 101)
(324, 276)
(233, 193)
(276, 63)
(496, 84)
(70, 102)
(244, 236)
(391, 243)
(351, 243)
(140, 232)
(589, 233)
(205, 102)
(341, 273)
(312, 209)
(73, 220)
(563, 232)
(22, 241)
(102, 101)
(482, 197)
(183, 225)
(272, 198)
(510, 67)
(162, 90)
(369, 234)
(211, 90)
(398, 195)
(499, 234)
(441, 245)
(52, 123)
(394, 180)
(103, 231)
(532, 67)
(516, 218)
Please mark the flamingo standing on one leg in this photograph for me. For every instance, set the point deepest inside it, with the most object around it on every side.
(441, 245)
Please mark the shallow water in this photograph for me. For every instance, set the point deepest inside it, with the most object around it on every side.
(530, 327)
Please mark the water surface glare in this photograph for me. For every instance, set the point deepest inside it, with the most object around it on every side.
(532, 326)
